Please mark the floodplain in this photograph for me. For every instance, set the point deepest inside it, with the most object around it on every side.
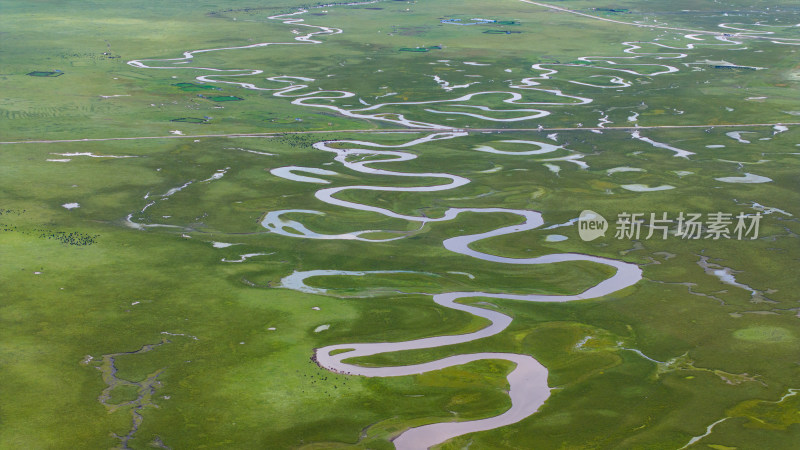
(357, 225)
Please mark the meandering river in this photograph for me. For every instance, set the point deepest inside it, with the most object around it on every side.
(528, 380)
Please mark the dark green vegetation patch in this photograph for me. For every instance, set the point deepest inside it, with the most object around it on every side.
(190, 120)
(421, 49)
(224, 98)
(192, 87)
(37, 73)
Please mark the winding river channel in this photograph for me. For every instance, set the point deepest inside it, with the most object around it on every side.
(528, 380)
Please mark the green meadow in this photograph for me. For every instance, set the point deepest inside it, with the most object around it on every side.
(142, 302)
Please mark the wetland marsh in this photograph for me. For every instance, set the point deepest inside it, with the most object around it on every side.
(292, 225)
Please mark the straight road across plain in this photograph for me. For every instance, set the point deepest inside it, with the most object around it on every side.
(401, 130)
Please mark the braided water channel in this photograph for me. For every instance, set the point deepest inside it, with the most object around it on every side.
(528, 380)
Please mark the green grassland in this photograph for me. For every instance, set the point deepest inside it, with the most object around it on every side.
(230, 364)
